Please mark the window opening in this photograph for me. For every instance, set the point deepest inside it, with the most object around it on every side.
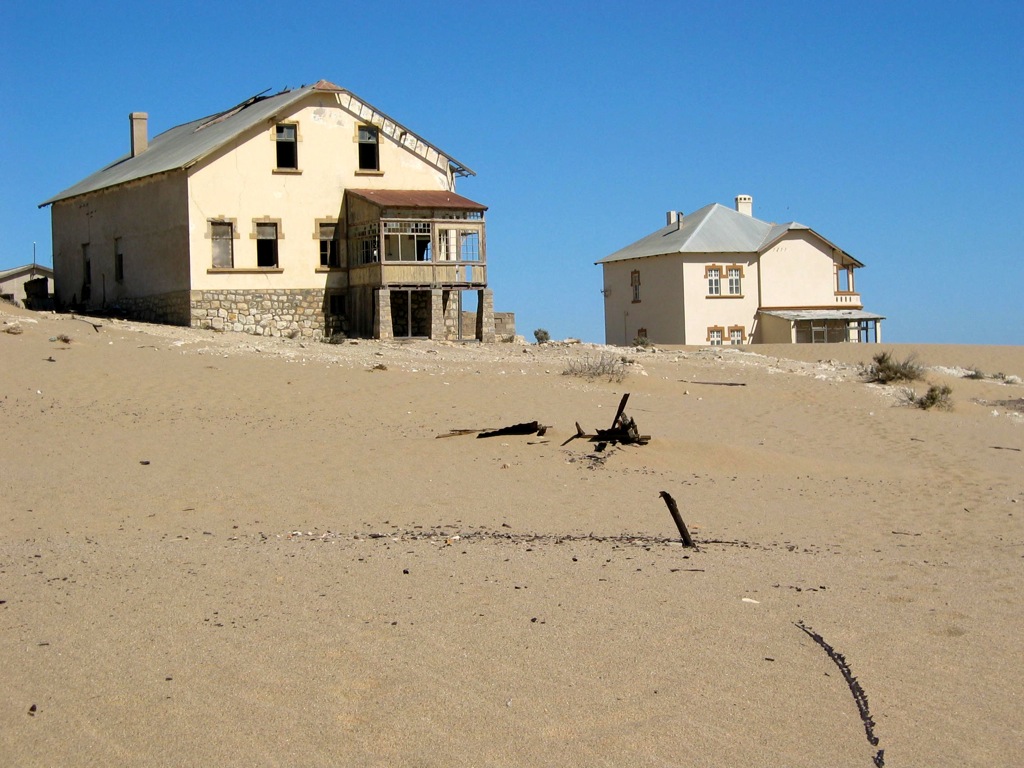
(222, 233)
(118, 261)
(328, 246)
(735, 281)
(86, 273)
(266, 244)
(287, 147)
(715, 336)
(736, 336)
(634, 280)
(843, 279)
(369, 150)
(714, 281)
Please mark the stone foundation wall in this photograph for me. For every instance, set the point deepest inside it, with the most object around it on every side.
(170, 308)
(504, 324)
(282, 312)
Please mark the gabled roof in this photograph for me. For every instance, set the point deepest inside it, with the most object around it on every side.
(25, 269)
(184, 145)
(713, 229)
(417, 198)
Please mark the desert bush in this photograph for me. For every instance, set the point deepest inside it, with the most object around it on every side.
(541, 336)
(642, 341)
(937, 396)
(975, 373)
(886, 369)
(606, 366)
(64, 338)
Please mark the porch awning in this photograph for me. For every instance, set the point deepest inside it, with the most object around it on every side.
(794, 315)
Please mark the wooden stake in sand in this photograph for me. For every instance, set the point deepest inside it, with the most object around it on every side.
(673, 509)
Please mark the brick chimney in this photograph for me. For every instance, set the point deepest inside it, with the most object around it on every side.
(140, 135)
(745, 205)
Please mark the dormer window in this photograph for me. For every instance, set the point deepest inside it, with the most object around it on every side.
(287, 147)
(369, 154)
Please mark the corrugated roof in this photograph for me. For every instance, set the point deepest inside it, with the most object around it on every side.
(417, 198)
(184, 145)
(711, 229)
(25, 268)
(821, 314)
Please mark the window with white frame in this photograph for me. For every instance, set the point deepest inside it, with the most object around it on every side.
(735, 277)
(714, 276)
(715, 335)
(736, 335)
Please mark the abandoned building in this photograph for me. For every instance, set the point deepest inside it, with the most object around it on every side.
(308, 212)
(30, 286)
(720, 276)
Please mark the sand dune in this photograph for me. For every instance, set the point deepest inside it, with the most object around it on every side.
(223, 550)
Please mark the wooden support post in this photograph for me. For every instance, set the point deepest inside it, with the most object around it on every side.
(674, 511)
(618, 413)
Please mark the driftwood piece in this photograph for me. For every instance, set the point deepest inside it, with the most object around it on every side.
(526, 428)
(716, 383)
(673, 509)
(622, 430)
(459, 432)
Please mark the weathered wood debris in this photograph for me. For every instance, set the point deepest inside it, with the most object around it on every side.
(622, 431)
(526, 428)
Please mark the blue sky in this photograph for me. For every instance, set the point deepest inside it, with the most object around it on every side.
(895, 129)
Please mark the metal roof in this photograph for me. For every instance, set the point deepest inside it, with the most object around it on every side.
(25, 268)
(712, 229)
(821, 314)
(417, 198)
(186, 144)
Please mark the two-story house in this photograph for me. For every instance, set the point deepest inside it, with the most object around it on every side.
(306, 212)
(720, 276)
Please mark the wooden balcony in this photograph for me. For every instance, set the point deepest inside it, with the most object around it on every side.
(423, 274)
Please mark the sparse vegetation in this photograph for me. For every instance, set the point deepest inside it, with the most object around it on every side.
(606, 366)
(886, 369)
(14, 330)
(64, 338)
(937, 396)
(541, 336)
(642, 341)
(975, 373)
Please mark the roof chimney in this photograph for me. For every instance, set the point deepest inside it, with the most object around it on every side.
(671, 217)
(140, 135)
(745, 205)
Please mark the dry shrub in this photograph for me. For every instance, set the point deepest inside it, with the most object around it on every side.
(606, 366)
(937, 396)
(64, 338)
(541, 336)
(14, 330)
(886, 369)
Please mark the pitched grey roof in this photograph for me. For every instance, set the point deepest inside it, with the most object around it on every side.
(184, 145)
(25, 269)
(712, 229)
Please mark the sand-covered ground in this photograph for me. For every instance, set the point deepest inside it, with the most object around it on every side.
(219, 550)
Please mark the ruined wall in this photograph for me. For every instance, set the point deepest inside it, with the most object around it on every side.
(504, 325)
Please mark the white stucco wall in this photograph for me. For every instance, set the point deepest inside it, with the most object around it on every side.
(798, 271)
(241, 184)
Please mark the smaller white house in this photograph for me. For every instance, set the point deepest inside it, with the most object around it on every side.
(29, 285)
(720, 276)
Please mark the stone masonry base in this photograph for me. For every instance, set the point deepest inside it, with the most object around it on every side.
(288, 312)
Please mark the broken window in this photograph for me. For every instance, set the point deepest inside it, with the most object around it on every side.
(714, 276)
(287, 146)
(118, 261)
(407, 241)
(266, 244)
(86, 272)
(459, 244)
(222, 233)
(369, 151)
(328, 246)
(735, 276)
(634, 280)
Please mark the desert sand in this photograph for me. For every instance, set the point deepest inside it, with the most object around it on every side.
(218, 549)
